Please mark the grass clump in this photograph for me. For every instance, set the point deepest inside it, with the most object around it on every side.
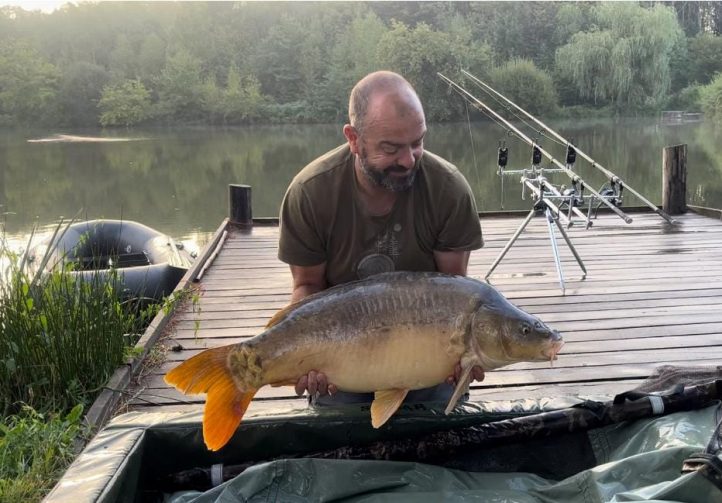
(35, 449)
(62, 337)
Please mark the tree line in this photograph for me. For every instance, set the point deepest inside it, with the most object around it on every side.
(124, 64)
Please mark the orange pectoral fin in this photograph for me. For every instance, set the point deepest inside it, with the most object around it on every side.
(385, 404)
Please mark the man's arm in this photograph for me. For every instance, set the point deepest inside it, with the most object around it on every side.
(452, 262)
(307, 280)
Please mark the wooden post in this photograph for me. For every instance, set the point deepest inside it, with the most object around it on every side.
(240, 211)
(674, 179)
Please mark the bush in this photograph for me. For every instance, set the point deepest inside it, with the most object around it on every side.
(526, 85)
(711, 100)
(126, 104)
(686, 99)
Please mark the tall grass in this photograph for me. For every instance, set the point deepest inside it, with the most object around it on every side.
(60, 340)
(61, 337)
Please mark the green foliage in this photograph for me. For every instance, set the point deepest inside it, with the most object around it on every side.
(124, 104)
(525, 30)
(352, 56)
(28, 84)
(419, 53)
(624, 58)
(35, 449)
(243, 62)
(705, 55)
(80, 91)
(180, 88)
(239, 102)
(686, 99)
(711, 100)
(526, 85)
(62, 336)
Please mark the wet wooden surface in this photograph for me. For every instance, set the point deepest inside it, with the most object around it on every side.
(652, 296)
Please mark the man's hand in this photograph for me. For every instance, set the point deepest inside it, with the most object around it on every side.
(477, 374)
(315, 382)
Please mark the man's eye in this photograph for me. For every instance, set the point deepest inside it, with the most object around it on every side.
(389, 150)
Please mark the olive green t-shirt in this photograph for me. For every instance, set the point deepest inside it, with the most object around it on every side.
(323, 220)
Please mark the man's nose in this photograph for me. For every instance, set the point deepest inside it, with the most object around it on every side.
(407, 158)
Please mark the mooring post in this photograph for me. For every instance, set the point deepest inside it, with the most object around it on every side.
(674, 179)
(240, 211)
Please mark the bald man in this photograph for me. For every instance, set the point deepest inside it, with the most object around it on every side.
(377, 203)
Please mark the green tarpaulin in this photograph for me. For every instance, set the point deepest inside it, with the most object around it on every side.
(631, 461)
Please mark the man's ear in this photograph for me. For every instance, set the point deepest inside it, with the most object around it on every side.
(352, 136)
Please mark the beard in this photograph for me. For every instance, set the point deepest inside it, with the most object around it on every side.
(383, 177)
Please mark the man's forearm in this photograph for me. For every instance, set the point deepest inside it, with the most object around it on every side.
(301, 291)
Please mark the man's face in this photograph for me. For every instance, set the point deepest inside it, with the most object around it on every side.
(391, 145)
(390, 174)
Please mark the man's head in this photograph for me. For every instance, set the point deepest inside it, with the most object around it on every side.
(386, 130)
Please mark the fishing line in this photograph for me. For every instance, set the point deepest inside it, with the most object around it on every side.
(520, 118)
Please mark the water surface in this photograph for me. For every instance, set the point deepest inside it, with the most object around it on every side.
(176, 180)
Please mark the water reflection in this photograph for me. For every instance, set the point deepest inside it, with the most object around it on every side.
(176, 180)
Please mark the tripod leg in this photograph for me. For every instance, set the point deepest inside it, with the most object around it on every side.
(555, 250)
(571, 247)
(509, 244)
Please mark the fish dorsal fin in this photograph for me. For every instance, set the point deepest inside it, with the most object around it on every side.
(385, 403)
(281, 314)
(285, 311)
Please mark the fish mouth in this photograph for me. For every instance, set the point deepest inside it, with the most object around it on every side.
(550, 353)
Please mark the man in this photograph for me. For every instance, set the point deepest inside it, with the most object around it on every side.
(378, 203)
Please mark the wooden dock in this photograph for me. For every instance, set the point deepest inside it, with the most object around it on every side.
(652, 296)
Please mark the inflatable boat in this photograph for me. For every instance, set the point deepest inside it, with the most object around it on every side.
(148, 263)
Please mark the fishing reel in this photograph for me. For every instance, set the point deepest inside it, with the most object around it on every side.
(612, 192)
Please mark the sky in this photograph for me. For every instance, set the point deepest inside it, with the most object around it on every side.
(43, 5)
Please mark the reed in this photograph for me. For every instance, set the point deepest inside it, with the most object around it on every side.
(61, 337)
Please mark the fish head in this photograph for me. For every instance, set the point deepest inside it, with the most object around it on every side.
(506, 334)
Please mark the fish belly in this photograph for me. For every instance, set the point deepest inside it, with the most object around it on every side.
(405, 357)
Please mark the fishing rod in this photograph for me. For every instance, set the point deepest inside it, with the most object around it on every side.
(481, 106)
(614, 179)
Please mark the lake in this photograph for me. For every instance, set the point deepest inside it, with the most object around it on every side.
(176, 179)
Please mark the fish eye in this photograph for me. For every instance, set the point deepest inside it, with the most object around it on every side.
(525, 329)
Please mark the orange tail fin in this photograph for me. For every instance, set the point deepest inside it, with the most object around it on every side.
(208, 372)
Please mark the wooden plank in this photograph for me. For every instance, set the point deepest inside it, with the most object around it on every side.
(650, 298)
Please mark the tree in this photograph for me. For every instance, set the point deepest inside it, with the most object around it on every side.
(526, 85)
(242, 99)
(419, 53)
(28, 85)
(123, 60)
(125, 104)
(711, 100)
(179, 87)
(353, 55)
(624, 59)
(151, 57)
(80, 89)
(705, 57)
